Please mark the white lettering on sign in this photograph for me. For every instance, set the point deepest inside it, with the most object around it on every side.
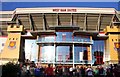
(64, 10)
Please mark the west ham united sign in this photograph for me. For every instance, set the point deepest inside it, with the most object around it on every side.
(117, 46)
(12, 45)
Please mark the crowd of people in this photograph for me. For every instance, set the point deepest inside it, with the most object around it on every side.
(37, 70)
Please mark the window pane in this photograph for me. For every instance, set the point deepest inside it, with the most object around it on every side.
(47, 53)
(63, 53)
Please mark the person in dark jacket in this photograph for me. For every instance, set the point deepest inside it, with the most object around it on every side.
(37, 72)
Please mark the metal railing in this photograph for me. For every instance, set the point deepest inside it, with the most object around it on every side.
(66, 41)
(67, 61)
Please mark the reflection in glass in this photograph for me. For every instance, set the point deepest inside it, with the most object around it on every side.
(98, 47)
(62, 53)
(46, 39)
(79, 53)
(48, 53)
(64, 36)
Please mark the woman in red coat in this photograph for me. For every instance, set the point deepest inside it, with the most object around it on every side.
(49, 71)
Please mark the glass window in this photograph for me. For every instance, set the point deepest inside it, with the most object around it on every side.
(50, 38)
(98, 46)
(82, 38)
(79, 53)
(69, 36)
(47, 53)
(46, 39)
(64, 36)
(77, 38)
(63, 53)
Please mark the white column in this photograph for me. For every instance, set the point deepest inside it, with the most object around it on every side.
(73, 54)
(91, 54)
(55, 54)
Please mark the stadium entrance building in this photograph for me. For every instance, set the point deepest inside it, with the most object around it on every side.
(63, 35)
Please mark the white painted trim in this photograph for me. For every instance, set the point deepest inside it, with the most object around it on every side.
(78, 10)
